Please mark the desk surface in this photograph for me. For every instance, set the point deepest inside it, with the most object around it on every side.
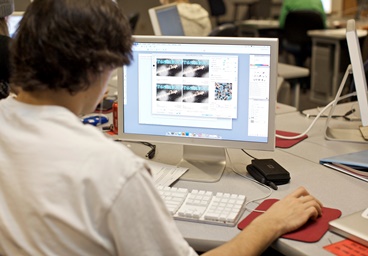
(287, 71)
(260, 24)
(318, 147)
(333, 25)
(339, 34)
(334, 189)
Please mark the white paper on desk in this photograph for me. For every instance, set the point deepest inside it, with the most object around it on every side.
(165, 174)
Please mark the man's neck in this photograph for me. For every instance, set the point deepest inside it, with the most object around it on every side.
(57, 98)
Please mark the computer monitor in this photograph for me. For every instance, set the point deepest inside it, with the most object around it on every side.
(205, 93)
(354, 131)
(13, 22)
(360, 81)
(166, 20)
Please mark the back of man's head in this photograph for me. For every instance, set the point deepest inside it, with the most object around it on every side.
(61, 43)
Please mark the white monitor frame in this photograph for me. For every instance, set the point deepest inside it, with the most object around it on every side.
(351, 132)
(194, 147)
(360, 81)
(158, 29)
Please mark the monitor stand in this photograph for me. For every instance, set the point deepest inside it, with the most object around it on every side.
(206, 164)
(347, 132)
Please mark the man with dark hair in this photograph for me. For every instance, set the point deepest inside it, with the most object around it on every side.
(66, 189)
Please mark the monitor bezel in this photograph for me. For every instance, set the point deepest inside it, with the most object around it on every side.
(268, 146)
(356, 60)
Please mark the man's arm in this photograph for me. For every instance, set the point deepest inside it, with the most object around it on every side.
(282, 217)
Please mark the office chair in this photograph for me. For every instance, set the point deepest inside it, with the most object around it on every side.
(295, 38)
(264, 9)
(217, 8)
(227, 30)
(133, 20)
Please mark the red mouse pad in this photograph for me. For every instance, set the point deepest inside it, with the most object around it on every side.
(284, 143)
(311, 232)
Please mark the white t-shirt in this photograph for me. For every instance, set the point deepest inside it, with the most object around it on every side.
(66, 189)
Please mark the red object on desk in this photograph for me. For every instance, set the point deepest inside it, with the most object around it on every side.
(347, 248)
(311, 232)
(284, 143)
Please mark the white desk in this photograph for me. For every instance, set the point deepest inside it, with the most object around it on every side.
(330, 58)
(290, 72)
(334, 189)
(318, 145)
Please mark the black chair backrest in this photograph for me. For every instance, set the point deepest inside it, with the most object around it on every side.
(217, 7)
(227, 30)
(297, 24)
(260, 10)
(264, 9)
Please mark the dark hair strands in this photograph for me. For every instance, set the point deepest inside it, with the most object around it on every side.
(60, 43)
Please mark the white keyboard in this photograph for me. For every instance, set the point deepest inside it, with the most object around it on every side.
(203, 206)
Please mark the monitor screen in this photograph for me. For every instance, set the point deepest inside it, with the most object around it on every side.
(200, 92)
(166, 20)
(13, 22)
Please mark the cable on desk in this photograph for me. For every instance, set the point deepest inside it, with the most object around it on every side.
(316, 118)
(245, 152)
(353, 117)
(231, 166)
(150, 154)
(332, 116)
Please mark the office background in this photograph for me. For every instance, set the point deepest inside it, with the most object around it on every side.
(144, 26)
(243, 11)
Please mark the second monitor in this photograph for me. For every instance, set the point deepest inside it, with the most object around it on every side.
(207, 94)
(166, 20)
